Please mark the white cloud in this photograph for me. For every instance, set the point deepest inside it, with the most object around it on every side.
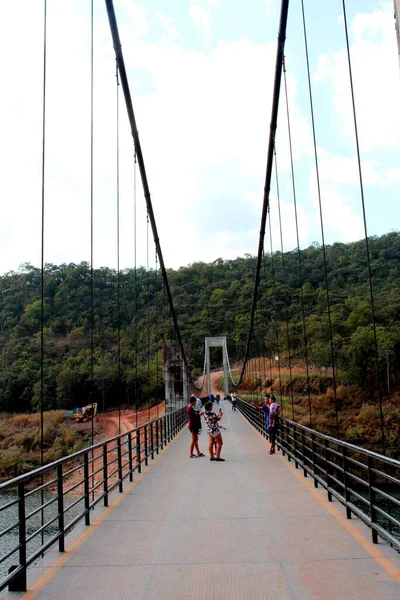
(167, 24)
(136, 16)
(376, 82)
(204, 128)
(200, 12)
(270, 6)
(343, 169)
(340, 221)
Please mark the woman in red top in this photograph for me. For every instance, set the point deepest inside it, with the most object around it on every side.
(194, 427)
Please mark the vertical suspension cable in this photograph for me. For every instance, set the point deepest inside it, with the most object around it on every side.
(297, 238)
(135, 287)
(268, 331)
(321, 220)
(42, 265)
(148, 316)
(371, 291)
(157, 334)
(91, 238)
(286, 311)
(118, 266)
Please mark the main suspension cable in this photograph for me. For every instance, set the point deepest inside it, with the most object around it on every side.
(146, 189)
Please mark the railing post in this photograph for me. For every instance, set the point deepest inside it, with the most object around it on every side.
(120, 474)
(152, 439)
(146, 460)
(86, 488)
(304, 456)
(60, 508)
(105, 474)
(169, 428)
(173, 425)
(162, 429)
(346, 491)
(19, 583)
(130, 456)
(372, 500)
(281, 436)
(313, 458)
(327, 470)
(296, 464)
(157, 437)
(138, 454)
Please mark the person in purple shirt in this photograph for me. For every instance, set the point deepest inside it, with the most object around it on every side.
(194, 426)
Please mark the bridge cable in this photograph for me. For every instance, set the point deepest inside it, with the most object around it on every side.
(142, 169)
(135, 291)
(148, 317)
(286, 302)
(157, 333)
(91, 237)
(321, 222)
(42, 264)
(267, 318)
(305, 340)
(118, 263)
(371, 291)
(286, 305)
(273, 126)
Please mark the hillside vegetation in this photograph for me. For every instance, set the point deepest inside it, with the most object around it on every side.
(210, 299)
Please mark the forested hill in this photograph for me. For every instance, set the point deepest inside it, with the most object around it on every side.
(210, 299)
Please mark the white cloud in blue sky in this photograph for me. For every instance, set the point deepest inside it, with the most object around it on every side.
(201, 76)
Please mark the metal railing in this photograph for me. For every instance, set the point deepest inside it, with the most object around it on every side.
(366, 483)
(40, 508)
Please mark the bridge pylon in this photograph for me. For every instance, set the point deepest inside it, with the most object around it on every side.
(211, 342)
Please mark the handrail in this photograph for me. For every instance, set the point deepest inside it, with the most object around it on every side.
(51, 520)
(342, 474)
(41, 470)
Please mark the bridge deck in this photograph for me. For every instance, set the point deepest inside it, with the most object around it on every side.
(251, 527)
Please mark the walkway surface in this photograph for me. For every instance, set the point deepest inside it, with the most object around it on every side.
(250, 528)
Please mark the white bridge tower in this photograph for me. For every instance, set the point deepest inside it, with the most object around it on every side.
(210, 343)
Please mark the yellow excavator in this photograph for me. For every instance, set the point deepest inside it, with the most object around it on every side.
(86, 414)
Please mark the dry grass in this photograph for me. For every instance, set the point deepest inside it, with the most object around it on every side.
(20, 441)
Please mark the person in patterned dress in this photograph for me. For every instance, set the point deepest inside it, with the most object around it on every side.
(214, 434)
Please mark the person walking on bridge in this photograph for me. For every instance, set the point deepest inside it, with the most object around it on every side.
(194, 427)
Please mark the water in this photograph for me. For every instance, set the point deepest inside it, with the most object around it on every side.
(10, 516)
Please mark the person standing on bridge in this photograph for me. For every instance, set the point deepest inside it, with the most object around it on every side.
(194, 427)
(272, 430)
(214, 433)
(265, 407)
(233, 400)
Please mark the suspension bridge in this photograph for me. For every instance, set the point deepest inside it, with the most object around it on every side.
(131, 516)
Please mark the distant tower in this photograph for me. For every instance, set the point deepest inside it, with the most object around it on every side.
(397, 25)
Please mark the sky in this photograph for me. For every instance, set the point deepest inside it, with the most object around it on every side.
(201, 77)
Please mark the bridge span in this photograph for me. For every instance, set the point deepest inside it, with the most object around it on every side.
(252, 527)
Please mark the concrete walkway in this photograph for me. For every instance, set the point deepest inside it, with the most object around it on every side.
(250, 528)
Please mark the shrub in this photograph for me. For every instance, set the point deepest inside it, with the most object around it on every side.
(355, 434)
